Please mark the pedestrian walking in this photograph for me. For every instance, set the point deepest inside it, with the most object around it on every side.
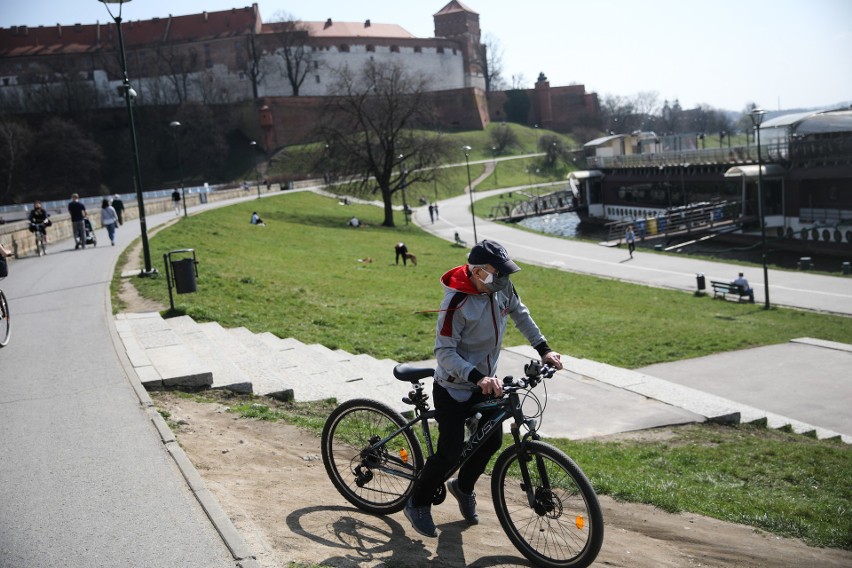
(176, 201)
(78, 221)
(118, 205)
(431, 213)
(630, 239)
(109, 219)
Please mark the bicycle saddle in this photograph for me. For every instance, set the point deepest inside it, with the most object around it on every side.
(410, 374)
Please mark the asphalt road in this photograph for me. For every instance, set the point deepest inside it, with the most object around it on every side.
(85, 480)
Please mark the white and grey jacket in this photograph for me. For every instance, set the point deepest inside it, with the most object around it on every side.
(470, 331)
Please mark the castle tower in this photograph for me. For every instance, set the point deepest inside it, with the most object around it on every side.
(458, 22)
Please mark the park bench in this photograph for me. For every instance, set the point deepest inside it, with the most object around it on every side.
(724, 289)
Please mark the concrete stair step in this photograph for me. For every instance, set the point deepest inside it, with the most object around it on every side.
(298, 368)
(160, 356)
(226, 375)
(252, 363)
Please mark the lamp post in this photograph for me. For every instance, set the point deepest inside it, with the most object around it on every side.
(756, 119)
(175, 125)
(494, 154)
(129, 94)
(402, 173)
(467, 150)
(253, 145)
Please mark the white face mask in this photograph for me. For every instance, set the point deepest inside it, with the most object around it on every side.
(489, 278)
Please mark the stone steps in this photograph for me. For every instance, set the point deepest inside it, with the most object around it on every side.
(179, 352)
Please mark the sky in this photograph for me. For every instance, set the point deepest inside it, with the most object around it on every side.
(780, 54)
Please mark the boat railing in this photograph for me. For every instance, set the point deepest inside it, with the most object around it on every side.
(772, 152)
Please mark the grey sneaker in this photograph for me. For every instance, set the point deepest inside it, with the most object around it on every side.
(421, 519)
(467, 503)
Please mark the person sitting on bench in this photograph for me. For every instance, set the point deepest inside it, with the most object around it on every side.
(743, 283)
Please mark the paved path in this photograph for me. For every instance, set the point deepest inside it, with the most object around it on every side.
(787, 288)
(85, 477)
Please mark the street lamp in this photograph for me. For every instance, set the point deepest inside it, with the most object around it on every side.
(494, 153)
(467, 150)
(253, 145)
(175, 125)
(402, 173)
(129, 94)
(757, 115)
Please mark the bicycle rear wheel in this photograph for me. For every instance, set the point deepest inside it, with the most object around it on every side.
(564, 527)
(376, 478)
(5, 320)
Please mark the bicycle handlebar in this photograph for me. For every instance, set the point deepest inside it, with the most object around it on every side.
(534, 372)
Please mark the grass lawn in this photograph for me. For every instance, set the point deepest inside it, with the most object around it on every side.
(304, 275)
(300, 276)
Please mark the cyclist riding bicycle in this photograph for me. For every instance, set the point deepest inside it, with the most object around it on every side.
(39, 219)
(478, 300)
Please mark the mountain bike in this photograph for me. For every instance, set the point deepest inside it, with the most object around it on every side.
(545, 503)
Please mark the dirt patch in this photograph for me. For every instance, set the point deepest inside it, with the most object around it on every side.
(270, 480)
(130, 299)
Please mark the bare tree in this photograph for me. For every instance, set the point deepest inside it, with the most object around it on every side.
(618, 114)
(373, 131)
(646, 104)
(503, 138)
(177, 64)
(292, 36)
(492, 64)
(254, 70)
(553, 148)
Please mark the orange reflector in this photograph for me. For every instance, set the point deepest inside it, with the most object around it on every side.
(580, 522)
(403, 454)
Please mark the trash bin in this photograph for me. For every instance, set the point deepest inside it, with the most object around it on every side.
(184, 275)
(203, 197)
(700, 282)
(847, 267)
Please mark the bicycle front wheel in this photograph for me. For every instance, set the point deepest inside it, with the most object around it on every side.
(375, 476)
(564, 526)
(5, 320)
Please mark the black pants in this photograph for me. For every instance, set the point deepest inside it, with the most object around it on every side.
(451, 416)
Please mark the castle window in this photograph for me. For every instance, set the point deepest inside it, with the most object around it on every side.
(440, 49)
(316, 64)
(418, 49)
(371, 48)
(317, 78)
(394, 49)
(208, 58)
(343, 48)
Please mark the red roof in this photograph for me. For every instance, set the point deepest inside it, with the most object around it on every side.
(22, 41)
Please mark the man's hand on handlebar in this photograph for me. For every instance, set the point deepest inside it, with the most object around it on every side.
(553, 359)
(491, 385)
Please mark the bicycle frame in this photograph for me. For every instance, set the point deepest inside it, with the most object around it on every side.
(507, 408)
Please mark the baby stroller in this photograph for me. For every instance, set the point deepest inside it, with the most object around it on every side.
(91, 239)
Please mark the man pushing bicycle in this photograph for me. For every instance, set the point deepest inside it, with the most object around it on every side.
(478, 299)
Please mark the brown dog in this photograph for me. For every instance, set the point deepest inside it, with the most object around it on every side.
(412, 258)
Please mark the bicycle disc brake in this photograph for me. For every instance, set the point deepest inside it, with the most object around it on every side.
(547, 504)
